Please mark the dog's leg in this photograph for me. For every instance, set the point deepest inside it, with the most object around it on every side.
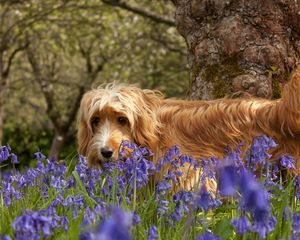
(289, 107)
(288, 113)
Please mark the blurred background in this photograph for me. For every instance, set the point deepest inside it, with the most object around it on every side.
(52, 51)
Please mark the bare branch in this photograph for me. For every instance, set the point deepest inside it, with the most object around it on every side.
(11, 57)
(74, 110)
(171, 46)
(46, 90)
(142, 12)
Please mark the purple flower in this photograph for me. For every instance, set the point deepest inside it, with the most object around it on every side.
(162, 187)
(31, 225)
(241, 225)
(258, 153)
(162, 208)
(207, 236)
(186, 159)
(182, 201)
(228, 180)
(88, 216)
(58, 182)
(14, 158)
(117, 226)
(254, 199)
(205, 200)
(297, 181)
(39, 156)
(296, 223)
(9, 193)
(135, 219)
(4, 153)
(297, 187)
(287, 162)
(264, 226)
(152, 233)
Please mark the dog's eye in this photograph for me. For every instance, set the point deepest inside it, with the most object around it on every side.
(122, 120)
(95, 121)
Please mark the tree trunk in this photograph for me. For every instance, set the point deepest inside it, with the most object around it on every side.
(3, 83)
(1, 116)
(57, 144)
(239, 46)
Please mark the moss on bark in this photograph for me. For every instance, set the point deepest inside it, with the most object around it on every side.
(221, 75)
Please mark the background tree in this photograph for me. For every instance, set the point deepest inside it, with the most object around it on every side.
(78, 45)
(17, 19)
(247, 46)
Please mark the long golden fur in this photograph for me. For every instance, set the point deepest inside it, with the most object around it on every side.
(200, 128)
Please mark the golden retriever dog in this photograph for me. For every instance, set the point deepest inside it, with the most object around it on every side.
(201, 129)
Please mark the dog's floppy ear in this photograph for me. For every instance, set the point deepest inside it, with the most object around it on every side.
(147, 126)
(84, 133)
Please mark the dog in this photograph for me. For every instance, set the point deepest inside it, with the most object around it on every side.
(201, 129)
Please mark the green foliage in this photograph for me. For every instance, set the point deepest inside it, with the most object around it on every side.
(145, 203)
(75, 45)
(33, 140)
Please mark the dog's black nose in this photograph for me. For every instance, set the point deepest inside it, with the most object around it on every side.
(106, 152)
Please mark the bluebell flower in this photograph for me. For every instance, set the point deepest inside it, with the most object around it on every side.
(162, 208)
(31, 225)
(9, 193)
(6, 237)
(64, 222)
(116, 226)
(100, 208)
(254, 199)
(258, 153)
(183, 200)
(208, 169)
(58, 182)
(74, 203)
(173, 175)
(297, 181)
(88, 216)
(14, 158)
(228, 180)
(5, 153)
(162, 187)
(186, 159)
(287, 162)
(152, 233)
(136, 219)
(233, 157)
(241, 225)
(137, 169)
(174, 151)
(207, 236)
(296, 223)
(39, 156)
(297, 187)
(264, 226)
(205, 200)
(176, 215)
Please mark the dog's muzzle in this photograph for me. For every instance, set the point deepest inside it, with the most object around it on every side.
(106, 152)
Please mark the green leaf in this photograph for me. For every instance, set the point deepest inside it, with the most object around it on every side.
(223, 228)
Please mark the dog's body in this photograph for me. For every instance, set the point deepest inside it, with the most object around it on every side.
(201, 129)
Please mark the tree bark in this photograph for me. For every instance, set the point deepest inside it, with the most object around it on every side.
(3, 83)
(1, 116)
(57, 144)
(239, 46)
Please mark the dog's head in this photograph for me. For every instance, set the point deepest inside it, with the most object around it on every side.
(110, 115)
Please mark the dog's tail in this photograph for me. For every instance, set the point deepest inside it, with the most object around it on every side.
(289, 106)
